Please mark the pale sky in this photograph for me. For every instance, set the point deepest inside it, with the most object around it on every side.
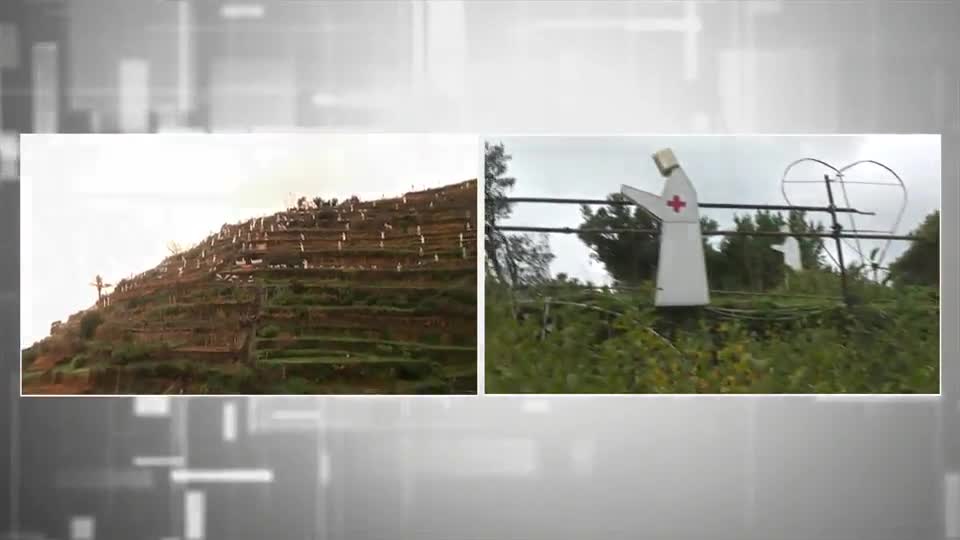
(724, 169)
(110, 204)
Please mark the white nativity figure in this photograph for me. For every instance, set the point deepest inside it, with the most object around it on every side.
(791, 250)
(682, 270)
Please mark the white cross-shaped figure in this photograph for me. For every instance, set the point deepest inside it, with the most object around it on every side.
(790, 249)
(682, 270)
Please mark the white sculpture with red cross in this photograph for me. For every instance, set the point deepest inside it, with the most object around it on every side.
(682, 270)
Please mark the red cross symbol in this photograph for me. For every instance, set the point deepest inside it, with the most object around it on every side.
(676, 203)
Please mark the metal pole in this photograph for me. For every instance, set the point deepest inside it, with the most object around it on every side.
(607, 202)
(655, 232)
(836, 236)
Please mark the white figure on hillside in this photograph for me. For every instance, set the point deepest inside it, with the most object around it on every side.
(682, 270)
(790, 249)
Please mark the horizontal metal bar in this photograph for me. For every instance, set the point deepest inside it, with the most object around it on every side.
(835, 181)
(655, 232)
(600, 288)
(551, 200)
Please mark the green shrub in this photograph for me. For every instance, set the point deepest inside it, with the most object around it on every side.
(125, 353)
(414, 371)
(883, 348)
(269, 331)
(89, 324)
(79, 361)
(295, 385)
(29, 356)
(138, 301)
(297, 287)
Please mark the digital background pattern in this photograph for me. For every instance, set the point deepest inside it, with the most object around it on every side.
(490, 467)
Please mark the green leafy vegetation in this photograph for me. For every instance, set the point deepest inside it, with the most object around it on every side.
(89, 323)
(126, 353)
(890, 348)
(269, 331)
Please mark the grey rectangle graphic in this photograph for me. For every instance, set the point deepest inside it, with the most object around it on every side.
(566, 467)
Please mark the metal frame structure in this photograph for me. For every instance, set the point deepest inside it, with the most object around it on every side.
(837, 232)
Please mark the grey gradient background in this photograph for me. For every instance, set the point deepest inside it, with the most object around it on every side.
(492, 467)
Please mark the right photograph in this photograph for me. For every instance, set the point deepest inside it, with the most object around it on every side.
(761, 264)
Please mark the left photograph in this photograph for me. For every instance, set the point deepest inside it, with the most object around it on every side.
(248, 264)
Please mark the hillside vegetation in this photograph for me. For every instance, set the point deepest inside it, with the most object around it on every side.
(350, 297)
(615, 342)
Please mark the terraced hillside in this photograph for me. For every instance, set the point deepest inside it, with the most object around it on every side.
(351, 297)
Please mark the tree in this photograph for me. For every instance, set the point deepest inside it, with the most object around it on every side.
(513, 259)
(629, 257)
(527, 259)
(920, 263)
(496, 185)
(749, 262)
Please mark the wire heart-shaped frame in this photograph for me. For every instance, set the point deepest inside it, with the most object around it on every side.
(838, 178)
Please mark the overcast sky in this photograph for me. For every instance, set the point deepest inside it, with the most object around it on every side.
(724, 169)
(110, 204)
